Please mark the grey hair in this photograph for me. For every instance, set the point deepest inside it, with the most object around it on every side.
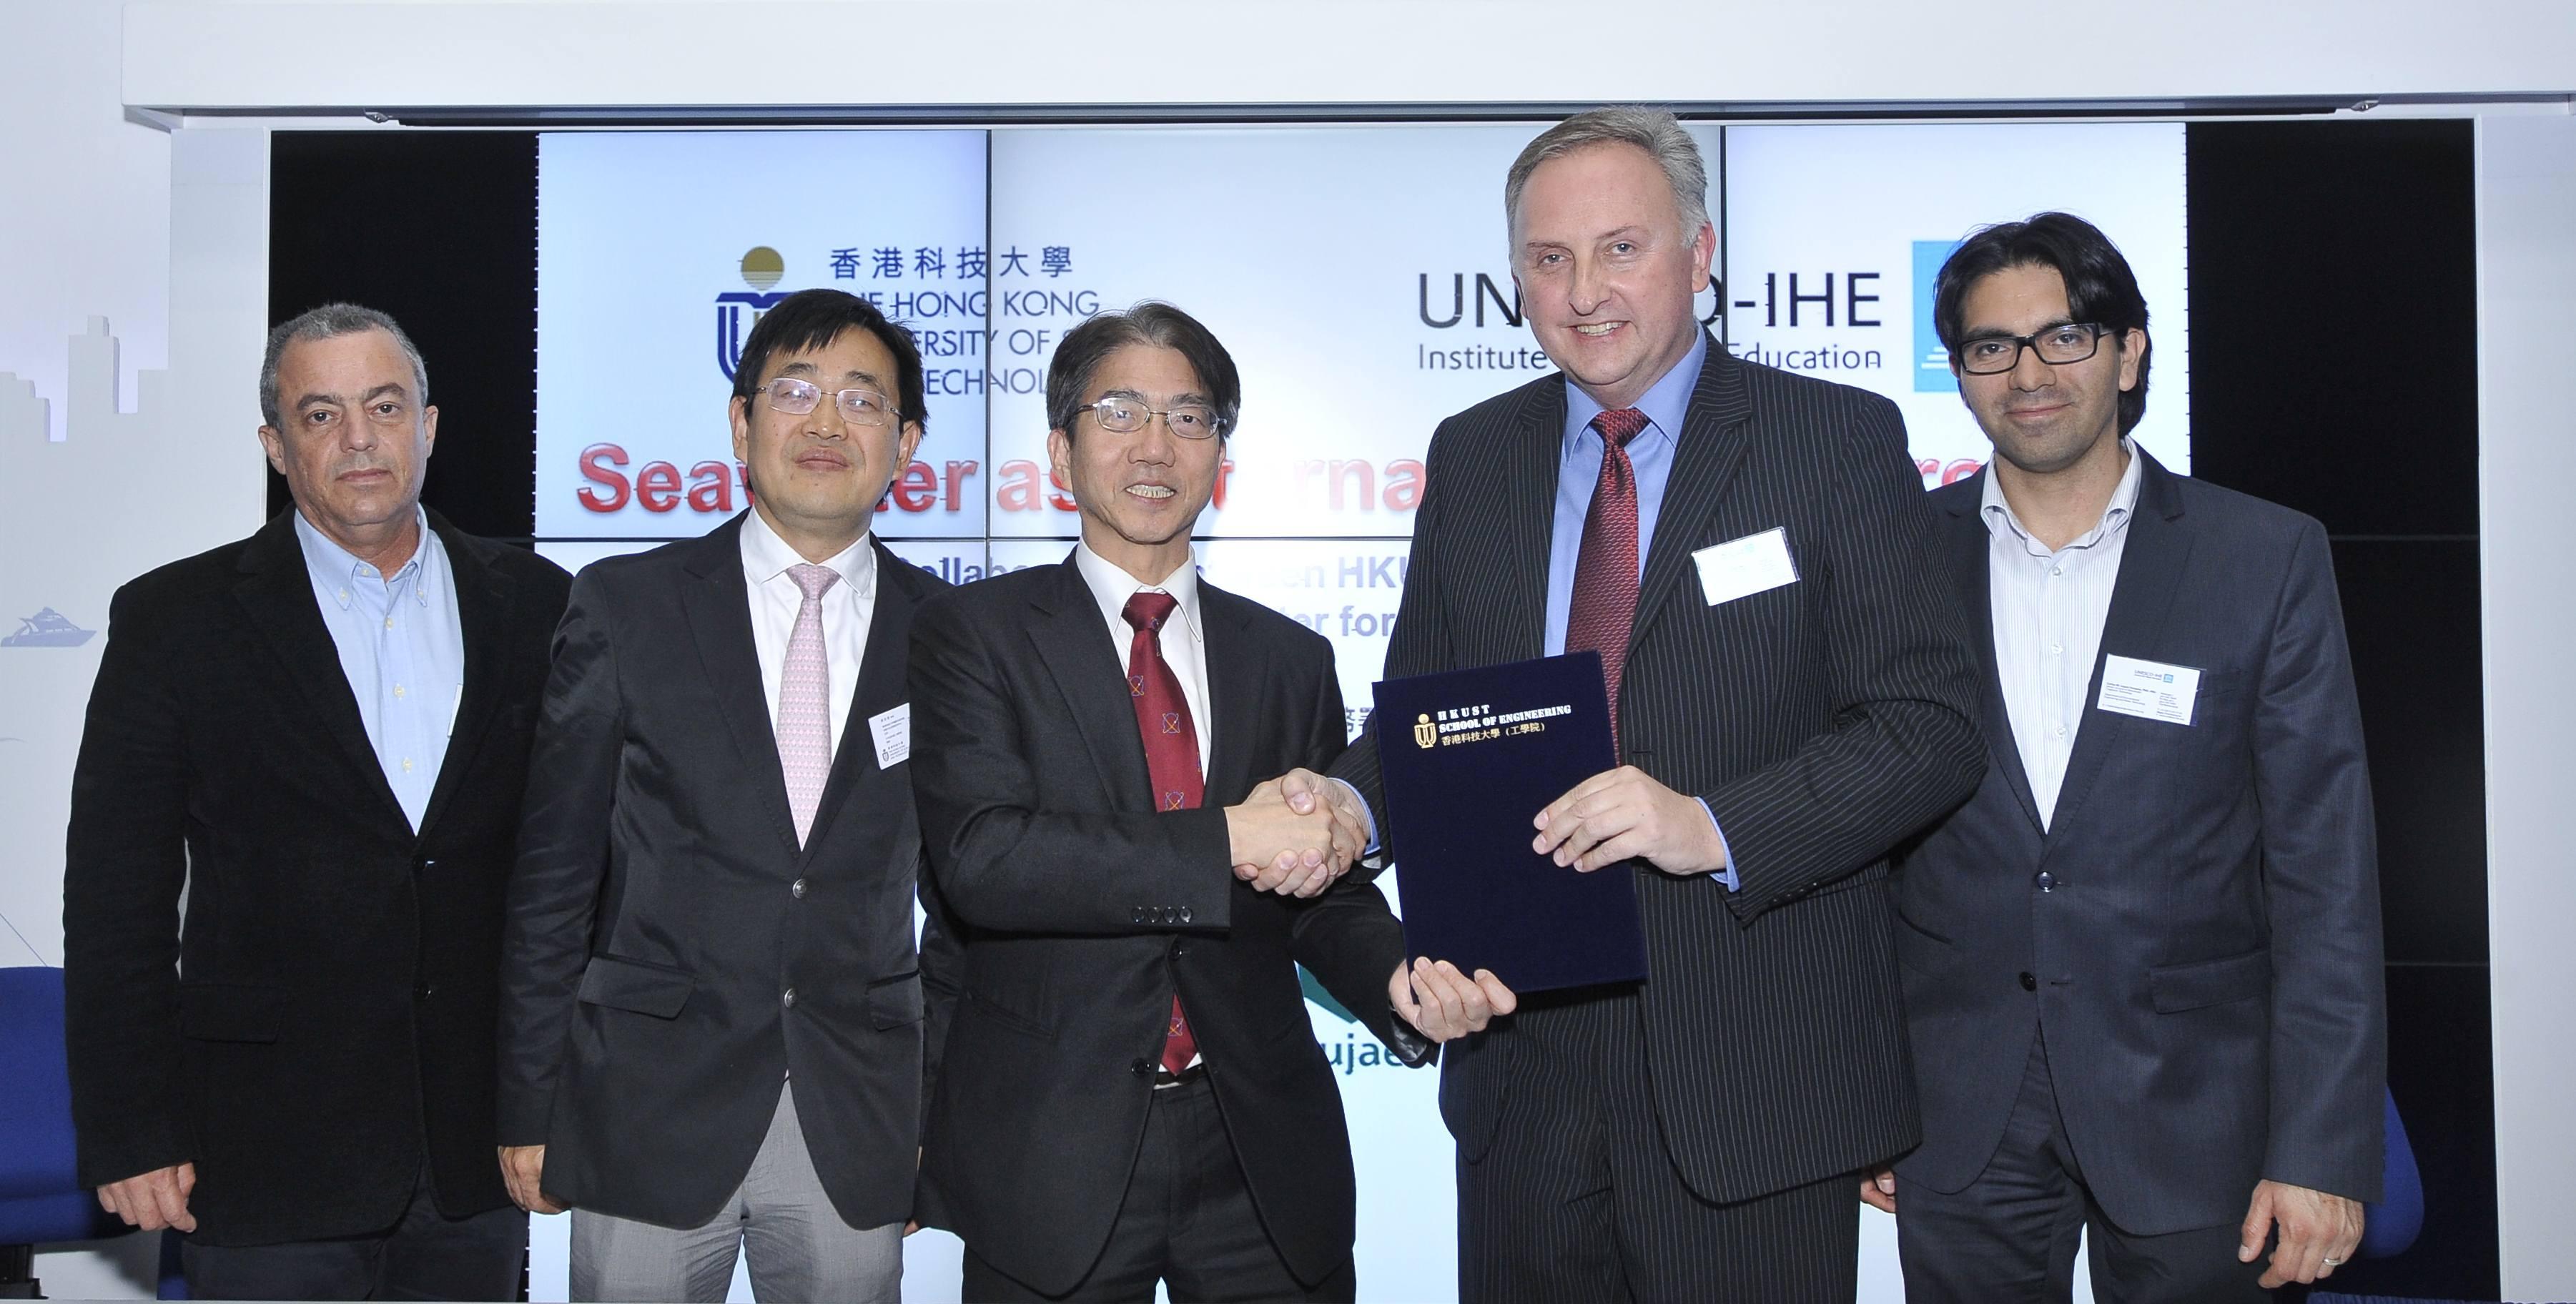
(331, 321)
(1655, 131)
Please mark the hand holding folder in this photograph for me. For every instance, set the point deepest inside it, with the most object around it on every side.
(1468, 757)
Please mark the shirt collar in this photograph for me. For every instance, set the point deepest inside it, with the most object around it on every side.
(2000, 516)
(1664, 402)
(1111, 587)
(765, 557)
(337, 571)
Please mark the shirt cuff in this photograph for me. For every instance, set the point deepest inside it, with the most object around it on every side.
(1726, 874)
(1369, 817)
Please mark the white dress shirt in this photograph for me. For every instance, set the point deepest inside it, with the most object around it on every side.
(1187, 655)
(2048, 611)
(775, 598)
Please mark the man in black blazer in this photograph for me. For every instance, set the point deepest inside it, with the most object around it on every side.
(319, 734)
(712, 1018)
(2142, 964)
(1791, 701)
(1131, 1090)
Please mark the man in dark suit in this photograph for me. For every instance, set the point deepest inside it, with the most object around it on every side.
(1131, 1090)
(320, 734)
(2142, 964)
(712, 1012)
(1789, 708)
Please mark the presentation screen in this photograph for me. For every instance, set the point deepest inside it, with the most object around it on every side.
(1360, 278)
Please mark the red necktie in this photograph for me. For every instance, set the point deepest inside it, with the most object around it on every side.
(1605, 571)
(1172, 748)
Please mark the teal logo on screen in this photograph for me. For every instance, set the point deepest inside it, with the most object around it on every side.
(1931, 361)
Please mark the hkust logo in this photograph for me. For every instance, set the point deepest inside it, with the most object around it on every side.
(47, 628)
(737, 310)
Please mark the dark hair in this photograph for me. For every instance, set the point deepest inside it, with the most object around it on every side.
(1079, 354)
(2099, 286)
(330, 321)
(812, 319)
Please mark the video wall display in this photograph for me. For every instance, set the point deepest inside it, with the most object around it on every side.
(1360, 277)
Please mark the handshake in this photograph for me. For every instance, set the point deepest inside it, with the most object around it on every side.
(1295, 834)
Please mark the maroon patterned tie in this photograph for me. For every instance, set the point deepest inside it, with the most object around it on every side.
(1605, 571)
(1172, 744)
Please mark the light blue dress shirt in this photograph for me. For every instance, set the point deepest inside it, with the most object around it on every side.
(403, 649)
(1578, 471)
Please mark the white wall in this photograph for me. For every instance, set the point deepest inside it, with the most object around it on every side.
(2526, 334)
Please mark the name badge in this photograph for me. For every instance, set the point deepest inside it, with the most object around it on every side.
(1742, 567)
(2149, 690)
(892, 730)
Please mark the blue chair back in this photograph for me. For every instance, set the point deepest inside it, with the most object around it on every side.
(2392, 1224)
(41, 1198)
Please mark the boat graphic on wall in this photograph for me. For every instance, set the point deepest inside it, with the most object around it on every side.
(47, 628)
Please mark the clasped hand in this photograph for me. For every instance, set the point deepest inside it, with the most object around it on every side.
(1295, 834)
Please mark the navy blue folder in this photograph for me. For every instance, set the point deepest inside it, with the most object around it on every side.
(1468, 758)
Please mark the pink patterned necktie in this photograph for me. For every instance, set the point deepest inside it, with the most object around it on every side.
(805, 701)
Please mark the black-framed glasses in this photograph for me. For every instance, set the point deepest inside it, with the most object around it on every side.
(859, 407)
(1988, 355)
(1125, 416)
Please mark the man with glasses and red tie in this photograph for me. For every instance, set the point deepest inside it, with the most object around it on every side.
(712, 1018)
(1131, 1091)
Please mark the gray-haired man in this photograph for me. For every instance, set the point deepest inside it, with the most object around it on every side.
(321, 732)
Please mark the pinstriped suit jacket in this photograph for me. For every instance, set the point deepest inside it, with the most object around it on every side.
(1823, 721)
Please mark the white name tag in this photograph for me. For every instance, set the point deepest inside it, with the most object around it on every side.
(892, 730)
(1742, 567)
(2149, 690)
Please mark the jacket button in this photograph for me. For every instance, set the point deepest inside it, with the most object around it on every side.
(428, 990)
(1185, 914)
(1141, 1067)
(1136, 916)
(2029, 983)
(797, 889)
(2047, 882)
(788, 998)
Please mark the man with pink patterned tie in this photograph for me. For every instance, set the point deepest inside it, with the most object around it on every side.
(1131, 1092)
(712, 1013)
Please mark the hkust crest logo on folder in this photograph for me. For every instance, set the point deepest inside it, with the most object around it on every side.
(1425, 733)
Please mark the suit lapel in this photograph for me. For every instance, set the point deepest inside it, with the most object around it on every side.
(1537, 449)
(1075, 648)
(1236, 666)
(717, 602)
(484, 603)
(882, 686)
(1705, 457)
(2151, 566)
(276, 589)
(1971, 564)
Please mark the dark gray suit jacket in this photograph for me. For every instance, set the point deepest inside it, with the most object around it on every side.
(661, 911)
(323, 1022)
(1079, 909)
(2206, 965)
(1823, 722)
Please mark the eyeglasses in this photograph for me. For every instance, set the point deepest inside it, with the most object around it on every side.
(859, 407)
(1989, 355)
(1126, 416)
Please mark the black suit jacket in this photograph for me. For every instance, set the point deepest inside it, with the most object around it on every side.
(1078, 908)
(328, 1022)
(2207, 961)
(1822, 721)
(672, 953)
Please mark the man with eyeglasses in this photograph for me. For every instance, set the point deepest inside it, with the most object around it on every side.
(712, 1019)
(2142, 964)
(1131, 1091)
